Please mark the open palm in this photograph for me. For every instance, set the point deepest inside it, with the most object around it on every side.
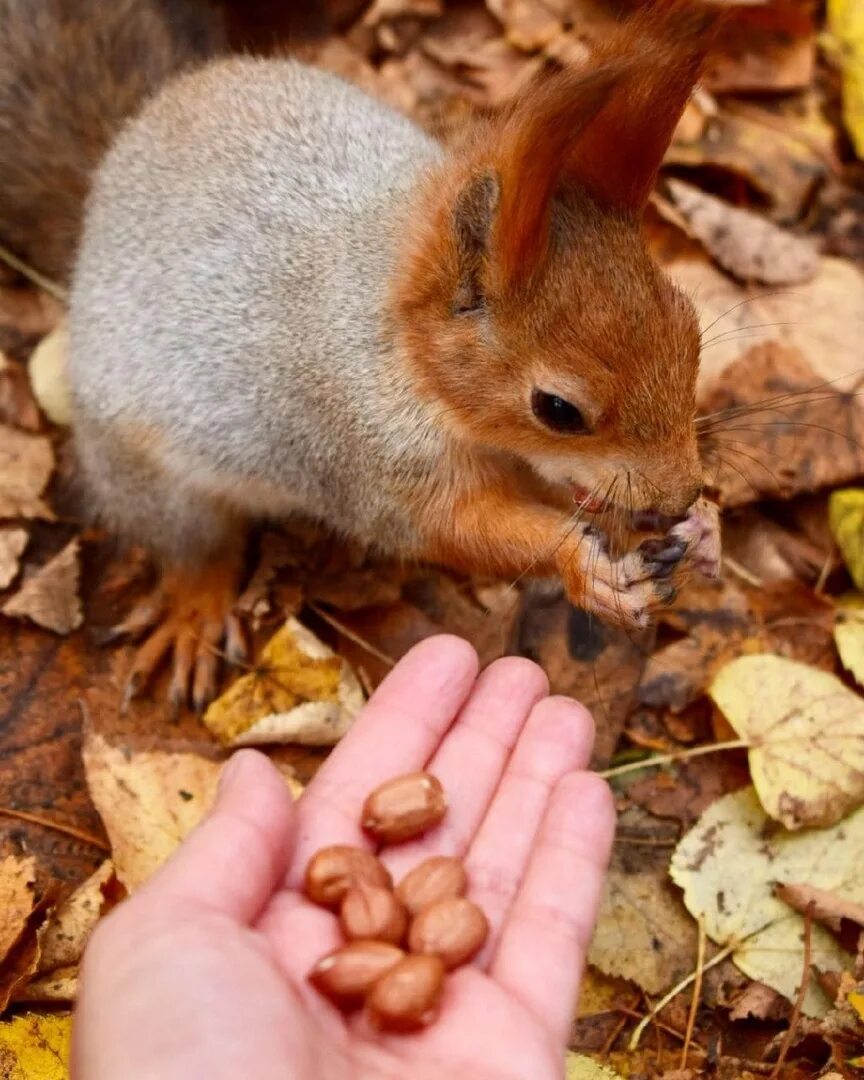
(203, 972)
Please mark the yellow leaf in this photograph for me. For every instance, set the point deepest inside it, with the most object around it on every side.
(846, 518)
(728, 866)
(149, 801)
(805, 732)
(846, 20)
(299, 692)
(580, 1067)
(856, 1000)
(849, 634)
(47, 368)
(35, 1046)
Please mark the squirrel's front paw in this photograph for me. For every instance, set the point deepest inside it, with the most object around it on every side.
(625, 591)
(700, 531)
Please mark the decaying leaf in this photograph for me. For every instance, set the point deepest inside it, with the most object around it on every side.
(66, 932)
(17, 878)
(12, 544)
(50, 595)
(35, 1046)
(827, 907)
(149, 801)
(745, 243)
(846, 20)
(846, 517)
(299, 692)
(805, 732)
(580, 1067)
(48, 378)
(728, 866)
(849, 633)
(26, 464)
(59, 985)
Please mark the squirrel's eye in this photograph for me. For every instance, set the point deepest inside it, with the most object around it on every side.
(558, 414)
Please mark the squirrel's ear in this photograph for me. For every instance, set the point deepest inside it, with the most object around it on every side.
(473, 215)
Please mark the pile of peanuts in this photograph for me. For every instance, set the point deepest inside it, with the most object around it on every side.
(399, 942)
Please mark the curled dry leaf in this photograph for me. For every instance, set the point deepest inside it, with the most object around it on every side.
(66, 932)
(148, 801)
(12, 544)
(299, 692)
(26, 464)
(56, 986)
(805, 732)
(50, 595)
(728, 866)
(35, 1045)
(48, 377)
(846, 518)
(827, 907)
(745, 243)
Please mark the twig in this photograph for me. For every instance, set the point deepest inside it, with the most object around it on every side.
(46, 823)
(679, 755)
(685, 982)
(742, 572)
(697, 993)
(33, 275)
(352, 635)
(802, 991)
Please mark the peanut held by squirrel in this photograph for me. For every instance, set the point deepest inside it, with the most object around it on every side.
(288, 299)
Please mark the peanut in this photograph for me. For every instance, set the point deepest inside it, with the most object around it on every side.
(452, 929)
(404, 807)
(370, 911)
(406, 997)
(333, 870)
(346, 975)
(437, 878)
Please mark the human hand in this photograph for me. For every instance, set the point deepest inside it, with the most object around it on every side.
(202, 973)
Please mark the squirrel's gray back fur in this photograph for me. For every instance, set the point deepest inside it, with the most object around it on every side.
(229, 350)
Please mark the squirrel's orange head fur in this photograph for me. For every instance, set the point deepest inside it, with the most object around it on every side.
(528, 305)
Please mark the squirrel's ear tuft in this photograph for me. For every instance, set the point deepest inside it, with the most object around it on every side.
(473, 217)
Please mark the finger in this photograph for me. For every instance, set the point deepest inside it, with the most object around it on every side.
(483, 736)
(557, 739)
(542, 950)
(397, 732)
(235, 858)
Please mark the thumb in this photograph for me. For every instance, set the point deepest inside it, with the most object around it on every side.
(235, 859)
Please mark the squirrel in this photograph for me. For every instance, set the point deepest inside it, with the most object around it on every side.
(289, 299)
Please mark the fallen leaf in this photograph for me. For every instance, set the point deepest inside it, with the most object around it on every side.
(148, 801)
(66, 932)
(728, 866)
(12, 544)
(846, 21)
(580, 1067)
(59, 985)
(805, 733)
(48, 375)
(849, 631)
(827, 907)
(35, 1046)
(299, 692)
(18, 407)
(846, 518)
(26, 464)
(49, 596)
(745, 243)
(17, 880)
(759, 1002)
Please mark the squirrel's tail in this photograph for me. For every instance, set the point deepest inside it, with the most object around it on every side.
(71, 71)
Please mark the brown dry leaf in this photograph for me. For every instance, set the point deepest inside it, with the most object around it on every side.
(774, 428)
(12, 544)
(746, 244)
(36, 1046)
(849, 634)
(805, 733)
(300, 691)
(49, 596)
(48, 375)
(59, 985)
(759, 1002)
(827, 907)
(26, 464)
(148, 801)
(66, 932)
(728, 866)
(529, 25)
(17, 405)
(17, 900)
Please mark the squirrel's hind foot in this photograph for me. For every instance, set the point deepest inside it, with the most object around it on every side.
(188, 618)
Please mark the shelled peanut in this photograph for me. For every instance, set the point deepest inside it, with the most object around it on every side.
(399, 943)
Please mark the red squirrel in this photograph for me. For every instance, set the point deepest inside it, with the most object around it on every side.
(288, 299)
